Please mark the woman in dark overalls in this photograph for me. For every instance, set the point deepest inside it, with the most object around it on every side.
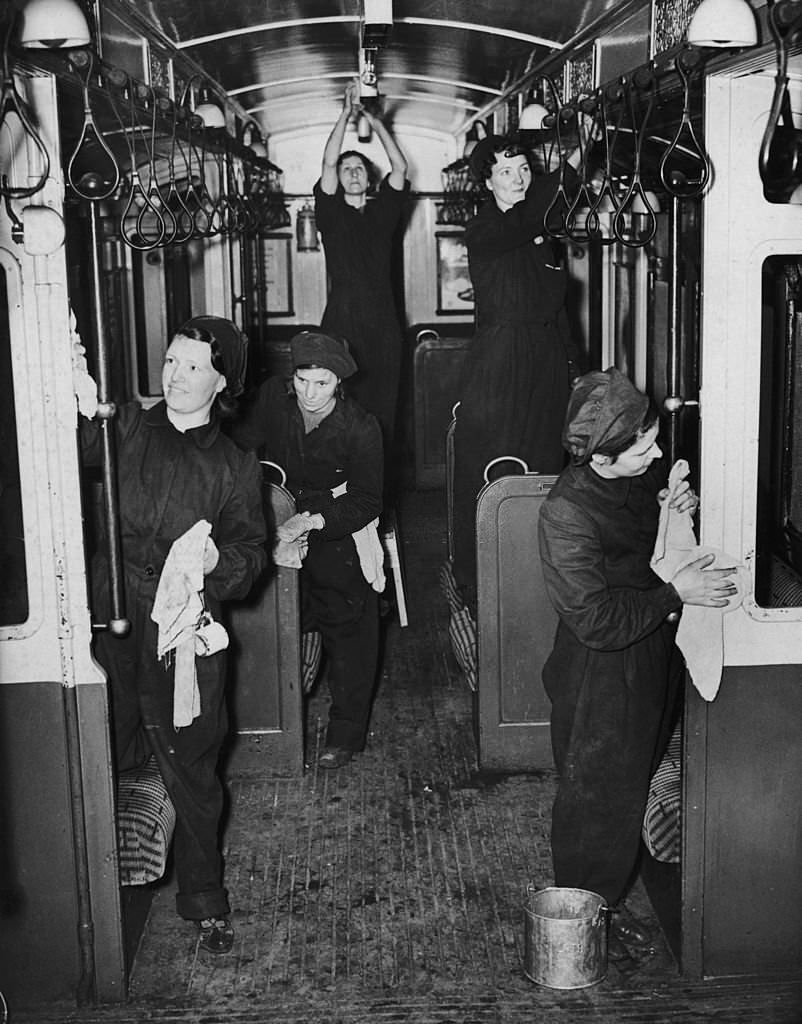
(516, 380)
(176, 468)
(358, 225)
(614, 673)
(331, 451)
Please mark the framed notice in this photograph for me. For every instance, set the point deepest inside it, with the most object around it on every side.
(454, 288)
(277, 255)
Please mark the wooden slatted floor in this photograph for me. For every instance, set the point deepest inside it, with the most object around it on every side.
(393, 890)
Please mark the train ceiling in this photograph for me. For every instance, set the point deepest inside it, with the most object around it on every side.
(439, 63)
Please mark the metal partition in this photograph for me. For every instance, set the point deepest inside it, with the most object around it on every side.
(265, 658)
(516, 625)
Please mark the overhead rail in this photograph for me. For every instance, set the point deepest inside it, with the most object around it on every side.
(612, 201)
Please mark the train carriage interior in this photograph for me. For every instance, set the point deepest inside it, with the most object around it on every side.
(157, 163)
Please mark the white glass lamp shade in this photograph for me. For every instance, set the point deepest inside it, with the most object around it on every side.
(638, 205)
(364, 131)
(531, 118)
(723, 23)
(53, 25)
(211, 115)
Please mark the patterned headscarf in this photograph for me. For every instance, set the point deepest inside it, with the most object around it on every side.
(604, 410)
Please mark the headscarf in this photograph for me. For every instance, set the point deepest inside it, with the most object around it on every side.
(313, 348)
(233, 347)
(604, 410)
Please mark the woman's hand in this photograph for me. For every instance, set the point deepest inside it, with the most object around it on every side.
(299, 526)
(685, 499)
(696, 584)
(211, 556)
(351, 102)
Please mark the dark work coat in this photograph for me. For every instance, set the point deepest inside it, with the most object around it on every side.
(361, 305)
(346, 446)
(336, 599)
(614, 671)
(168, 480)
(516, 381)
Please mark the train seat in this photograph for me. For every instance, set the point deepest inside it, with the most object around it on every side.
(145, 825)
(438, 359)
(661, 829)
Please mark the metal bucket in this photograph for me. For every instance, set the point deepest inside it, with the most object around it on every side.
(565, 941)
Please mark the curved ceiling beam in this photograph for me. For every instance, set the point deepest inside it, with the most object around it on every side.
(272, 26)
(461, 108)
(523, 37)
(472, 86)
(267, 26)
(408, 97)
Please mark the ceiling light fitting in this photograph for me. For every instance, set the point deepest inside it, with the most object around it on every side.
(368, 79)
(211, 115)
(364, 132)
(53, 25)
(376, 24)
(531, 118)
(723, 24)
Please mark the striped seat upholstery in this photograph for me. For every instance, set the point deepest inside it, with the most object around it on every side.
(145, 823)
(461, 626)
(661, 828)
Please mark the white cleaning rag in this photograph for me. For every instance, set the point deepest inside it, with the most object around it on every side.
(368, 548)
(700, 635)
(177, 610)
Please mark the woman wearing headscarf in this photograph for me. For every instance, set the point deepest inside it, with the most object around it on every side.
(614, 673)
(190, 507)
(331, 452)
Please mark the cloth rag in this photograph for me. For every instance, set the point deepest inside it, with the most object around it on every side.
(368, 547)
(292, 540)
(700, 635)
(177, 609)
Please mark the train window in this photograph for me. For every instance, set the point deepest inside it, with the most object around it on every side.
(778, 561)
(162, 302)
(14, 591)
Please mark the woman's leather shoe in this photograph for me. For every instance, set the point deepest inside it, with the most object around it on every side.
(216, 935)
(334, 757)
(628, 929)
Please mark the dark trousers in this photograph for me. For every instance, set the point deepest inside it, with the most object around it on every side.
(609, 732)
(338, 601)
(141, 691)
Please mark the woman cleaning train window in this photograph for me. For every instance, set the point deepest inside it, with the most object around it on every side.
(193, 535)
(613, 676)
(358, 226)
(331, 451)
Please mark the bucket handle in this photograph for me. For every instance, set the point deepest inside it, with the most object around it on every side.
(603, 911)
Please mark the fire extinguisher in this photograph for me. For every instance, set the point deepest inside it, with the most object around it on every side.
(306, 229)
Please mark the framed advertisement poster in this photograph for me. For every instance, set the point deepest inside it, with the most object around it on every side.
(454, 288)
(277, 255)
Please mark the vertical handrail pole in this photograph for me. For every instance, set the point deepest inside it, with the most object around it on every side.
(118, 624)
(674, 402)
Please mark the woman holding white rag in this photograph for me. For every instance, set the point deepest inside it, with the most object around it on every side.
(193, 535)
(331, 451)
